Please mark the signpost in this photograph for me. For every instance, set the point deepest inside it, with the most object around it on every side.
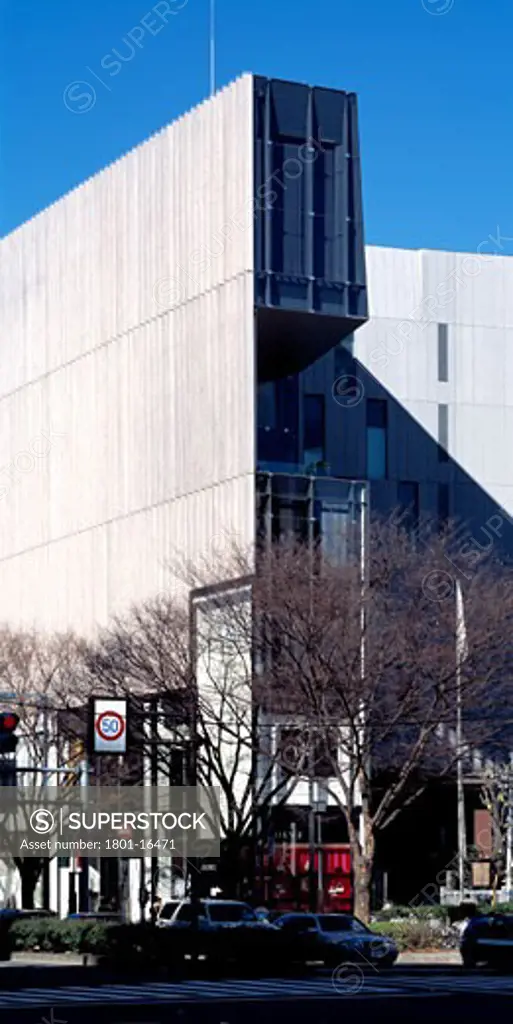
(109, 726)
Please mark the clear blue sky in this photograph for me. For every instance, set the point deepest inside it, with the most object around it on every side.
(433, 77)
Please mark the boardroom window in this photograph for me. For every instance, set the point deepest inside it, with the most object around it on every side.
(443, 353)
(313, 428)
(443, 433)
(377, 439)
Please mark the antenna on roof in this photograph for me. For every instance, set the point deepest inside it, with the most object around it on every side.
(212, 47)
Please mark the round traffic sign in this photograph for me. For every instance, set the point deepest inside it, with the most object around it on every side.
(110, 725)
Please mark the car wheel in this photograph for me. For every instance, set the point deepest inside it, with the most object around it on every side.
(386, 962)
(469, 962)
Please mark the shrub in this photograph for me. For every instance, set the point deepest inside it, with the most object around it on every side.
(142, 946)
(416, 934)
(425, 912)
(50, 935)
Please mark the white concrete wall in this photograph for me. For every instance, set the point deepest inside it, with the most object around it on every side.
(410, 293)
(126, 373)
(224, 675)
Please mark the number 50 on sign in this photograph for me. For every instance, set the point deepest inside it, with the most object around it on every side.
(109, 726)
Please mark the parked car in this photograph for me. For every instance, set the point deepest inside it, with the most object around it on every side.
(166, 912)
(214, 915)
(229, 936)
(335, 938)
(487, 941)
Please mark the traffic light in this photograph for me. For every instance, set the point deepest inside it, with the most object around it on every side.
(8, 739)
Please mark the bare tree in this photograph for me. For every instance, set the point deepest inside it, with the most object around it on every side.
(43, 675)
(496, 796)
(364, 664)
(373, 669)
(202, 699)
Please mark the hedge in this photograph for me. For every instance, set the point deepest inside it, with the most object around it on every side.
(128, 946)
(51, 935)
(143, 943)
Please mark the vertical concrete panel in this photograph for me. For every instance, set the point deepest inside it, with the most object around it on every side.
(129, 331)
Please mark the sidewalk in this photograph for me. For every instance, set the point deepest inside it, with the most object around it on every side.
(46, 959)
(433, 957)
(419, 958)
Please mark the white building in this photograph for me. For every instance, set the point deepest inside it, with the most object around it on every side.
(181, 320)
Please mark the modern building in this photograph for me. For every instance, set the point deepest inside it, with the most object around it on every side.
(138, 313)
(417, 400)
(197, 346)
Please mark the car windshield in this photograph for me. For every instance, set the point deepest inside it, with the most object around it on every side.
(230, 912)
(168, 910)
(340, 923)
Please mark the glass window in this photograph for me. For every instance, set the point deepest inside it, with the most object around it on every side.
(341, 923)
(325, 756)
(443, 433)
(185, 913)
(298, 922)
(267, 405)
(336, 530)
(376, 439)
(443, 504)
(313, 428)
(301, 753)
(168, 910)
(292, 752)
(408, 502)
(230, 912)
(443, 353)
(376, 413)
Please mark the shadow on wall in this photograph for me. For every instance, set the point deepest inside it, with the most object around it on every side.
(417, 465)
(420, 475)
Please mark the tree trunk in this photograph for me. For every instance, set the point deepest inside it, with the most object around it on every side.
(230, 867)
(362, 861)
(30, 869)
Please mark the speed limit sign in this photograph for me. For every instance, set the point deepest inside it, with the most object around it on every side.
(109, 726)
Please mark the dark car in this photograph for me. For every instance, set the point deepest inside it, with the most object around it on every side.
(214, 915)
(335, 938)
(225, 932)
(488, 941)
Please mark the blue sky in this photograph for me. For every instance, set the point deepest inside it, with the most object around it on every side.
(433, 78)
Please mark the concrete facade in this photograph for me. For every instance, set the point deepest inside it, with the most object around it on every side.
(411, 293)
(130, 445)
(393, 358)
(126, 403)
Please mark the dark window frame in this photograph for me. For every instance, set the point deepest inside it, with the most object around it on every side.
(314, 426)
(443, 432)
(377, 421)
(410, 510)
(443, 353)
(443, 504)
(267, 405)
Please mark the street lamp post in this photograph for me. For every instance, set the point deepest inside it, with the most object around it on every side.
(461, 648)
(312, 895)
(509, 844)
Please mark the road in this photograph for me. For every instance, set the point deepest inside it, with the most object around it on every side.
(400, 995)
